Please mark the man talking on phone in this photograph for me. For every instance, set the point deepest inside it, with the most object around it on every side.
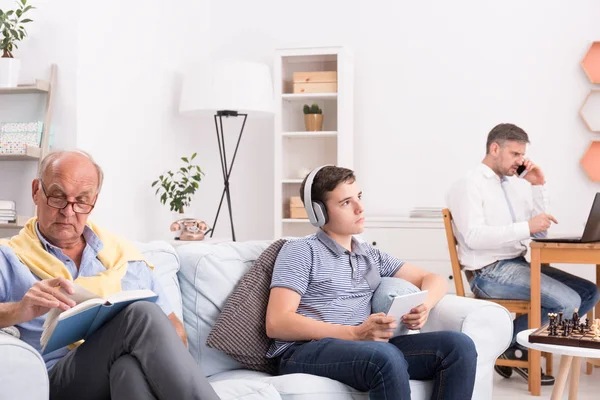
(494, 217)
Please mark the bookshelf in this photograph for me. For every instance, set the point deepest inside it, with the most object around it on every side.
(297, 150)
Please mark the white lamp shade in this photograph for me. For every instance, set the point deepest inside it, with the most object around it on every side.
(241, 86)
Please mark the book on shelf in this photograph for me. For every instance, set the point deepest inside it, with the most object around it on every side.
(426, 212)
(7, 205)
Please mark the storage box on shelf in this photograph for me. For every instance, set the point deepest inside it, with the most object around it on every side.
(315, 82)
(297, 210)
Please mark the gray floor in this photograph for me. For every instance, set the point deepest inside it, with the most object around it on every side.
(515, 388)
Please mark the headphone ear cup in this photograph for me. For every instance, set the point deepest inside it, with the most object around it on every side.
(320, 213)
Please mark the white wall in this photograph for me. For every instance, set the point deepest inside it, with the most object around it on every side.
(431, 81)
(52, 39)
(432, 78)
(130, 58)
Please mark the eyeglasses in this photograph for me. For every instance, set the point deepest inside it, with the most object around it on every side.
(61, 204)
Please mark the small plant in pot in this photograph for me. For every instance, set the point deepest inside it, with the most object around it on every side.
(313, 117)
(177, 189)
(12, 30)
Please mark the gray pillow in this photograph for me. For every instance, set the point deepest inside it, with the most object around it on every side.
(240, 330)
(387, 290)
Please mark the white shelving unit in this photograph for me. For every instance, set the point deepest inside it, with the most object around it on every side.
(297, 150)
(33, 154)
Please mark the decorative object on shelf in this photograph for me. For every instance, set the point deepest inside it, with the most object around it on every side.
(178, 187)
(297, 210)
(227, 89)
(313, 118)
(15, 137)
(591, 161)
(315, 82)
(591, 63)
(189, 229)
(12, 30)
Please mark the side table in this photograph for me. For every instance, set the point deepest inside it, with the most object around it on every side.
(570, 360)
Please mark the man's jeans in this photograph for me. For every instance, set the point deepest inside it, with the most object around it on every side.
(510, 279)
(384, 368)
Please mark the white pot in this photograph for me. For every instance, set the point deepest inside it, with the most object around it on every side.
(9, 72)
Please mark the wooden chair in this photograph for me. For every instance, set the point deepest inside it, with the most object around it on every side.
(519, 307)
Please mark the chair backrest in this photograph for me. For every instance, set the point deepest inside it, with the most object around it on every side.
(456, 273)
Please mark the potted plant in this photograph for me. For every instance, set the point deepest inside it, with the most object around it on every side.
(313, 117)
(12, 30)
(178, 187)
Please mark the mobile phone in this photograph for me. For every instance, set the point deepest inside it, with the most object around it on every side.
(521, 171)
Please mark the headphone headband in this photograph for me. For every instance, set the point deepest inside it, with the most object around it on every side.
(308, 202)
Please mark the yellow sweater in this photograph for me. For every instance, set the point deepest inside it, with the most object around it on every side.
(115, 255)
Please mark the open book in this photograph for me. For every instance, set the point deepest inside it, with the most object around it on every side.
(63, 328)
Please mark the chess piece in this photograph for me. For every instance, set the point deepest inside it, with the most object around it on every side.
(576, 316)
(560, 317)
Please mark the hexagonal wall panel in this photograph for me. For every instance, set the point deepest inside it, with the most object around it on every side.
(590, 110)
(591, 161)
(591, 63)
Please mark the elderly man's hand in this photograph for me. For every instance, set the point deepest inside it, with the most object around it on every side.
(43, 296)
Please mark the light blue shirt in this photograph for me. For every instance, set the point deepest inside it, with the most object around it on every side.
(16, 279)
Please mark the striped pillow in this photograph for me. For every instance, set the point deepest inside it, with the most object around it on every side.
(240, 330)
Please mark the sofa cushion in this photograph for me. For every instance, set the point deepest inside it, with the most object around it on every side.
(312, 387)
(240, 389)
(240, 330)
(166, 264)
(208, 275)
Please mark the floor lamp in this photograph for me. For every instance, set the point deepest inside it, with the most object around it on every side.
(227, 89)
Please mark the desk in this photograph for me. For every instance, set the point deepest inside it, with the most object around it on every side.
(554, 253)
(570, 361)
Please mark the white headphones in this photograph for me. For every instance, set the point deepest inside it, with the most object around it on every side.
(317, 213)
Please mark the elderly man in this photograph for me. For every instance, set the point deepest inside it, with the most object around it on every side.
(139, 354)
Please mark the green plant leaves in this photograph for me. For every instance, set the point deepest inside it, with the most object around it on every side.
(178, 187)
(12, 28)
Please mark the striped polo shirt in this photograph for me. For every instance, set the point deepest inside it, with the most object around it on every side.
(336, 285)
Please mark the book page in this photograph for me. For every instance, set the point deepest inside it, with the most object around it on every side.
(79, 296)
(129, 295)
(86, 305)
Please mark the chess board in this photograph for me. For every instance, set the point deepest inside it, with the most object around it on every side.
(588, 338)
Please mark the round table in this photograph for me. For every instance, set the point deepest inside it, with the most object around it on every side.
(569, 356)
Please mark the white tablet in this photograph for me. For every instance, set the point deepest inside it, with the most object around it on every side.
(402, 305)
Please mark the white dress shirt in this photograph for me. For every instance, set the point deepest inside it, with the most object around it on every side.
(490, 216)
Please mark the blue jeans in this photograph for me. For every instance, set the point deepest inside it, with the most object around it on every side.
(561, 291)
(384, 368)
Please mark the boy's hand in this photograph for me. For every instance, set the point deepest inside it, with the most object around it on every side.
(417, 317)
(378, 327)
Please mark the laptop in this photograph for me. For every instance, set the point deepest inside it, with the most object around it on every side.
(591, 233)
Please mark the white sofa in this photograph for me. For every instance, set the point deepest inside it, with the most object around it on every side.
(198, 278)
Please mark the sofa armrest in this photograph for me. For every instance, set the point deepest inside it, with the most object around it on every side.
(488, 324)
(23, 372)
